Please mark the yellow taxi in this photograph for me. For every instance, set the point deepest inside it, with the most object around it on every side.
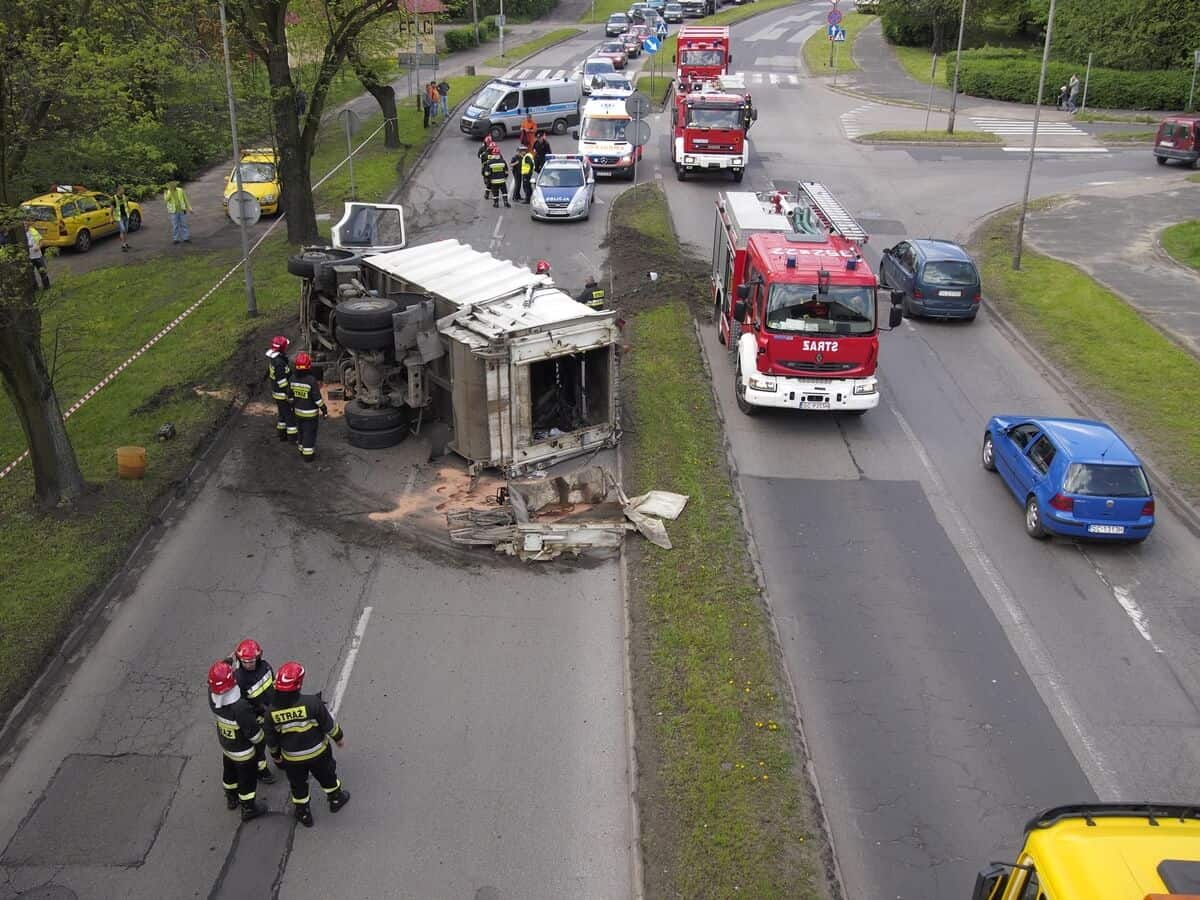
(72, 216)
(260, 177)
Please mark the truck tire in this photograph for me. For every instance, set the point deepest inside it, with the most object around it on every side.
(372, 418)
(497, 132)
(738, 173)
(305, 263)
(366, 313)
(680, 172)
(747, 409)
(376, 339)
(560, 126)
(376, 440)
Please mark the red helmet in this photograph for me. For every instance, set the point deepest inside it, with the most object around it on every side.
(279, 342)
(248, 650)
(290, 677)
(542, 268)
(220, 678)
(303, 362)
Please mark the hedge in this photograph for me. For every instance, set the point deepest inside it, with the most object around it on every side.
(464, 38)
(1008, 74)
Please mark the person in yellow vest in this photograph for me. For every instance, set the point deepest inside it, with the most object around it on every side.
(178, 208)
(526, 174)
(37, 259)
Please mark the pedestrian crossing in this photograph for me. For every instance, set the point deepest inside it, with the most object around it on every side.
(851, 121)
(1024, 127)
(779, 79)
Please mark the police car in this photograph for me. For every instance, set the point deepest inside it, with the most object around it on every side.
(563, 189)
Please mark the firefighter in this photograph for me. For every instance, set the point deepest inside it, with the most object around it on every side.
(299, 729)
(592, 294)
(495, 172)
(279, 373)
(486, 149)
(239, 734)
(542, 267)
(256, 679)
(307, 404)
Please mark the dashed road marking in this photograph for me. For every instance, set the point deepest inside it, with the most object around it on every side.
(356, 640)
(851, 123)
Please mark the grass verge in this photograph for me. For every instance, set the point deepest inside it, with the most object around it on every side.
(1126, 137)
(1182, 241)
(530, 47)
(1195, 178)
(918, 63)
(656, 87)
(1146, 381)
(1089, 116)
(724, 805)
(817, 47)
(932, 137)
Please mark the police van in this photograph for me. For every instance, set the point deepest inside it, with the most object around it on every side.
(604, 135)
(501, 106)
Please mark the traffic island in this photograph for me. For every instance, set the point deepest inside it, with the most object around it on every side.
(725, 806)
(1182, 241)
(959, 138)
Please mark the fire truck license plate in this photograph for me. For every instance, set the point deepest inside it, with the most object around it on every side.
(814, 404)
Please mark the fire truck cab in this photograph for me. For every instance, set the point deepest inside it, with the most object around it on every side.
(701, 52)
(710, 126)
(795, 302)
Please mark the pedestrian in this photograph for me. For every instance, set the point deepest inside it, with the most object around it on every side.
(33, 238)
(256, 680)
(528, 130)
(526, 174)
(121, 214)
(431, 104)
(178, 208)
(514, 166)
(1074, 92)
(1062, 97)
(299, 729)
(425, 107)
(239, 734)
(307, 404)
(592, 294)
(541, 149)
(495, 172)
(279, 374)
(443, 88)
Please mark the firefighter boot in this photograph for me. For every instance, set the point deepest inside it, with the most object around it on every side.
(283, 436)
(231, 799)
(265, 775)
(304, 815)
(252, 809)
(338, 799)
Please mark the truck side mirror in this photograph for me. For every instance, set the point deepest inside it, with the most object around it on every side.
(672, 59)
(575, 134)
(729, 61)
(739, 310)
(990, 882)
(743, 291)
(897, 297)
(895, 317)
(754, 114)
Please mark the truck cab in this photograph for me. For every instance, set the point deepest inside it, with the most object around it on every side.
(710, 126)
(1114, 851)
(701, 54)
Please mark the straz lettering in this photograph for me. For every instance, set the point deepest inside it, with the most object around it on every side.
(811, 251)
(228, 731)
(292, 714)
(300, 391)
(820, 346)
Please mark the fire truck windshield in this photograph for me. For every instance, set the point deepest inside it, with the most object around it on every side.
(842, 310)
(712, 117)
(701, 58)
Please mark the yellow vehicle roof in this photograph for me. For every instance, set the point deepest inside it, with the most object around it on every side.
(266, 155)
(57, 198)
(1087, 853)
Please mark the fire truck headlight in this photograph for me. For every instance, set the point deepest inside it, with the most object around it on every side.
(689, 160)
(763, 383)
(869, 387)
(737, 162)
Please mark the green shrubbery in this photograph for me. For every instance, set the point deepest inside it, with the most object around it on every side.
(464, 38)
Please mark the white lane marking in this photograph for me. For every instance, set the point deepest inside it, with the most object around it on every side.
(793, 79)
(543, 74)
(1056, 149)
(499, 222)
(755, 77)
(850, 123)
(773, 77)
(1135, 613)
(1098, 183)
(348, 666)
(1025, 126)
(1022, 635)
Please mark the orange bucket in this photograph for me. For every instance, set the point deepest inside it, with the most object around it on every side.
(131, 462)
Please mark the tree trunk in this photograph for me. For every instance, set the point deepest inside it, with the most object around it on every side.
(295, 153)
(385, 96)
(56, 475)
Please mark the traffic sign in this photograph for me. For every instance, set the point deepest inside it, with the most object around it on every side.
(832, 31)
(834, 17)
(650, 44)
(840, 35)
(244, 208)
(641, 133)
(661, 30)
(637, 105)
(501, 21)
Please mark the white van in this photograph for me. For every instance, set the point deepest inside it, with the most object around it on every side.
(500, 107)
(604, 136)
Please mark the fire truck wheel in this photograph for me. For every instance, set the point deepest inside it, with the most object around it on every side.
(352, 339)
(371, 418)
(739, 391)
(738, 173)
(366, 313)
(560, 126)
(376, 440)
(680, 173)
(305, 263)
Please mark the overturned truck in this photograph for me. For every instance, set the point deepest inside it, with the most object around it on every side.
(524, 375)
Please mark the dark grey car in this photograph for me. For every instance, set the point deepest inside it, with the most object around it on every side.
(938, 278)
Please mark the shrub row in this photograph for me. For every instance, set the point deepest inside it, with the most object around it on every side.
(462, 38)
(1006, 74)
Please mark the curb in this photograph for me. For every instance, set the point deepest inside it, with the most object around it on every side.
(879, 143)
(875, 98)
(527, 56)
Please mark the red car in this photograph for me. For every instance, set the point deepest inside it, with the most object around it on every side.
(615, 51)
(633, 44)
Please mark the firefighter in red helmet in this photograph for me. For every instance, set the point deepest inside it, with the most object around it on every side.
(307, 403)
(279, 373)
(542, 267)
(299, 729)
(256, 678)
(239, 734)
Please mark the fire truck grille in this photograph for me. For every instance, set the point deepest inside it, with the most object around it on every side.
(817, 367)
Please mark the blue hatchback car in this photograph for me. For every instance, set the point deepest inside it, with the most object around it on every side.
(1075, 477)
(938, 278)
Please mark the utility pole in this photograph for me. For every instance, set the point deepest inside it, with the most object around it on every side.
(475, 18)
(962, 22)
(1192, 93)
(1037, 115)
(1087, 77)
(251, 302)
(501, 29)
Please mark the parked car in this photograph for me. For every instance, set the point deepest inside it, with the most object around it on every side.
(1075, 477)
(673, 12)
(615, 51)
(617, 23)
(633, 44)
(1178, 138)
(260, 178)
(563, 189)
(73, 216)
(866, 6)
(656, 5)
(938, 279)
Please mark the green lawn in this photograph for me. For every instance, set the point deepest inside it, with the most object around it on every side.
(917, 62)
(600, 10)
(520, 51)
(1195, 177)
(1182, 241)
(1086, 115)
(1150, 384)
(932, 137)
(817, 47)
(725, 807)
(656, 87)
(1126, 137)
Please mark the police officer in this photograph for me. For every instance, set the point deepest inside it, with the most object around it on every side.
(299, 729)
(526, 173)
(256, 679)
(495, 172)
(239, 734)
(307, 404)
(592, 294)
(279, 374)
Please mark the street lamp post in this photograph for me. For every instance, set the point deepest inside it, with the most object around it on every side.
(962, 21)
(1037, 115)
(251, 303)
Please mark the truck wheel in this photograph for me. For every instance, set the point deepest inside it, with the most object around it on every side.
(305, 263)
(739, 391)
(560, 126)
(680, 173)
(738, 173)
(378, 339)
(372, 418)
(376, 440)
(366, 313)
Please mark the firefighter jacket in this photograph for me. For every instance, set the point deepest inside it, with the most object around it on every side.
(526, 163)
(592, 295)
(279, 373)
(299, 727)
(237, 728)
(495, 170)
(307, 402)
(258, 685)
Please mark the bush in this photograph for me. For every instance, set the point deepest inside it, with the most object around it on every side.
(1005, 74)
(464, 38)
(900, 27)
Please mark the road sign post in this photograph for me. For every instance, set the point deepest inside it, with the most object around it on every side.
(637, 105)
(932, 77)
(1087, 76)
(1192, 93)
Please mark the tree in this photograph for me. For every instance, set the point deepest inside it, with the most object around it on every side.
(263, 26)
(931, 23)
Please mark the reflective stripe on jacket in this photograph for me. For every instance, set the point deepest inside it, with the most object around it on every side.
(306, 395)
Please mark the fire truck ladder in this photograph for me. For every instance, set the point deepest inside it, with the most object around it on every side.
(831, 210)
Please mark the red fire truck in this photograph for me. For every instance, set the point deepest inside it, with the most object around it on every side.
(710, 126)
(795, 302)
(701, 52)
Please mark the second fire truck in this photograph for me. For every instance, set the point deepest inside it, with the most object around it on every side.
(701, 53)
(710, 126)
(795, 302)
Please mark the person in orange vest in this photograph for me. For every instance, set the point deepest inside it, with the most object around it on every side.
(528, 131)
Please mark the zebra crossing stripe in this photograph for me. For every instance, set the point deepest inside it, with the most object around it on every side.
(545, 73)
